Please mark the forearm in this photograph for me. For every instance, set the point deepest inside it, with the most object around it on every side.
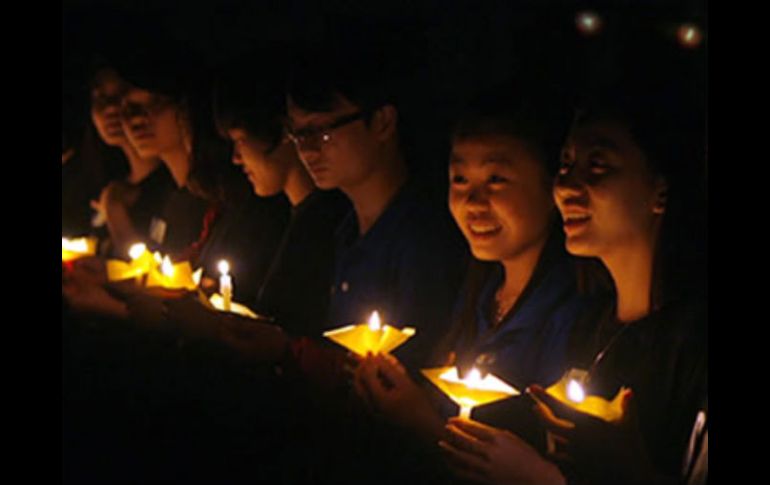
(121, 229)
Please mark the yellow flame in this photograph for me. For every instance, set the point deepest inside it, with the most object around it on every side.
(137, 250)
(575, 391)
(79, 245)
(158, 257)
(473, 379)
(167, 267)
(224, 267)
(374, 322)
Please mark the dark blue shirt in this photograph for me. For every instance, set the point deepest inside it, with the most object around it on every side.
(408, 267)
(530, 344)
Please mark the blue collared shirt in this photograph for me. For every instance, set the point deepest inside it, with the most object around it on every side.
(408, 267)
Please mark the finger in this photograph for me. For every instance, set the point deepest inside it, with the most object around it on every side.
(628, 404)
(466, 442)
(462, 463)
(550, 420)
(474, 428)
(390, 370)
(393, 363)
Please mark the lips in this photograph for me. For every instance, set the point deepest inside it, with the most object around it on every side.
(575, 222)
(483, 230)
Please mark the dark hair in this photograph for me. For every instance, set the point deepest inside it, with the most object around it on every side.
(171, 70)
(251, 101)
(362, 74)
(537, 115)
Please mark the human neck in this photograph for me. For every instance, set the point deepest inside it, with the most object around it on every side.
(298, 184)
(371, 197)
(139, 168)
(178, 163)
(518, 271)
(631, 271)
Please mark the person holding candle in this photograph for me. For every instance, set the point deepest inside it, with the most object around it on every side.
(520, 298)
(397, 251)
(127, 205)
(249, 109)
(629, 193)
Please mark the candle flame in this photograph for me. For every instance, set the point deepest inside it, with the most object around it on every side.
(575, 391)
(75, 245)
(137, 250)
(224, 267)
(158, 257)
(374, 322)
(167, 267)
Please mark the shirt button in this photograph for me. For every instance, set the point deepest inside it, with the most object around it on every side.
(344, 287)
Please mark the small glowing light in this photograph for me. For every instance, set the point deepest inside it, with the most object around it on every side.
(197, 276)
(167, 267)
(374, 322)
(224, 267)
(689, 35)
(79, 245)
(588, 23)
(575, 391)
(473, 379)
(137, 250)
(158, 257)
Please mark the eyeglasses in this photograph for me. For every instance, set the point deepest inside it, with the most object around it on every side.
(315, 136)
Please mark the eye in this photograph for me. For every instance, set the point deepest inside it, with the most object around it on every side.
(597, 166)
(496, 179)
(458, 180)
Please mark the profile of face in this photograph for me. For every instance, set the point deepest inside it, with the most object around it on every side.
(608, 197)
(153, 123)
(337, 146)
(265, 165)
(106, 97)
(499, 195)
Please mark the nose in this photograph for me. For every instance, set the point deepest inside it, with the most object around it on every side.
(236, 158)
(569, 184)
(477, 200)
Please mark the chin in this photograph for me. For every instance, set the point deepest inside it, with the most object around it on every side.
(485, 254)
(579, 248)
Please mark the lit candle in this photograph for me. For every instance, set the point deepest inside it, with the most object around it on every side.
(225, 284)
(167, 267)
(571, 390)
(575, 391)
(470, 391)
(136, 250)
(374, 322)
(372, 336)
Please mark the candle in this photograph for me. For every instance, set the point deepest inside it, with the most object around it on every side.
(470, 391)
(373, 336)
(135, 252)
(571, 390)
(225, 284)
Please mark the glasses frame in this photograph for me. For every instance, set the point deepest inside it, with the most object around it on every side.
(322, 134)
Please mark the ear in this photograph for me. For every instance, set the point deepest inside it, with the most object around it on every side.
(661, 196)
(384, 122)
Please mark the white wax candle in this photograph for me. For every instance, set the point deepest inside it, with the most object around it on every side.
(225, 284)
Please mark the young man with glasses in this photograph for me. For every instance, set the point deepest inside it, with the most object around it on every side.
(397, 252)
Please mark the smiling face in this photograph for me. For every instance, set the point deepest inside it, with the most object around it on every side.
(106, 97)
(608, 197)
(499, 195)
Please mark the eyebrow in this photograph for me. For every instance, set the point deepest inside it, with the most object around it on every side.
(492, 159)
(604, 143)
